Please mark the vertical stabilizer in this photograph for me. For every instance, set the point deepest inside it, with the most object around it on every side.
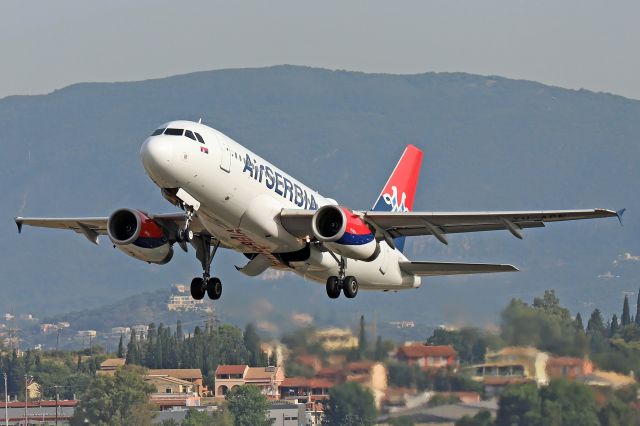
(398, 193)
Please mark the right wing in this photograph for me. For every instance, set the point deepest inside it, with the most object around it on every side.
(448, 268)
(390, 225)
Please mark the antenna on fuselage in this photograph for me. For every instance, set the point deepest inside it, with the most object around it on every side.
(200, 120)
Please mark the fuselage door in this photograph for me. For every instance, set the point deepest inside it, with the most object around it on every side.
(225, 158)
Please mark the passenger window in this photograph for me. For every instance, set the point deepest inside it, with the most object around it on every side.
(174, 132)
(157, 132)
(199, 137)
(189, 134)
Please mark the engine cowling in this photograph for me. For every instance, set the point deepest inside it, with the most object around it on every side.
(139, 236)
(345, 233)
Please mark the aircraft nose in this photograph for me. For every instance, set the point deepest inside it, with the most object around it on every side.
(157, 154)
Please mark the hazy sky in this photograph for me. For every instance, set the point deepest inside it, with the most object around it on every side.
(583, 43)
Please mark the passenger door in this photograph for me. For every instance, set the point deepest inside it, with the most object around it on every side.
(225, 158)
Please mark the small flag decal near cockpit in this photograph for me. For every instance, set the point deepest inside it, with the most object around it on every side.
(203, 149)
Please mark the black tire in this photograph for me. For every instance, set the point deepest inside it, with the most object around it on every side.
(350, 287)
(197, 288)
(333, 287)
(214, 288)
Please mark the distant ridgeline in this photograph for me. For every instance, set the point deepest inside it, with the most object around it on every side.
(489, 143)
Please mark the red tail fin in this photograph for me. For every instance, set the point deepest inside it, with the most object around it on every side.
(400, 190)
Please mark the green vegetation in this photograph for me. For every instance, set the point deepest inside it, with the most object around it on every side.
(122, 399)
(68, 372)
(205, 349)
(248, 406)
(349, 405)
(470, 343)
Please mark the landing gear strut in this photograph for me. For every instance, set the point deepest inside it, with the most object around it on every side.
(348, 284)
(205, 252)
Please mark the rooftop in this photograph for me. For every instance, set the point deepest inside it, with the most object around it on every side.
(231, 369)
(420, 351)
(178, 373)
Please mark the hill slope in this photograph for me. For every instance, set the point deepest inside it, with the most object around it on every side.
(490, 143)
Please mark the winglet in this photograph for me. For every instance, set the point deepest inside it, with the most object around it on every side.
(619, 214)
(19, 224)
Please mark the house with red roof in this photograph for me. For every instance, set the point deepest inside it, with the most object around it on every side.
(428, 356)
(268, 379)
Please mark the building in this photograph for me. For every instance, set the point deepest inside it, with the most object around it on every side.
(305, 390)
(191, 375)
(336, 339)
(109, 366)
(287, 414)
(310, 361)
(141, 331)
(568, 368)
(181, 300)
(371, 375)
(172, 392)
(606, 379)
(427, 356)
(512, 365)
(121, 331)
(268, 379)
(87, 333)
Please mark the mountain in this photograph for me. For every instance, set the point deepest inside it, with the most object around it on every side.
(490, 143)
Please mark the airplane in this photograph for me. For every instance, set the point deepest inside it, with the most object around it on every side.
(232, 198)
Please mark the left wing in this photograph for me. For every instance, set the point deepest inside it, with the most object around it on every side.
(438, 224)
(92, 227)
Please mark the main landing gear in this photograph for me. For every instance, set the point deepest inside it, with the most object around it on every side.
(205, 252)
(347, 284)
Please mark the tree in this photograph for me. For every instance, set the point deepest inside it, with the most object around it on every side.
(519, 405)
(362, 339)
(121, 346)
(568, 403)
(121, 399)
(349, 405)
(613, 328)
(197, 418)
(637, 318)
(248, 406)
(257, 357)
(482, 418)
(133, 350)
(596, 326)
(626, 315)
(578, 322)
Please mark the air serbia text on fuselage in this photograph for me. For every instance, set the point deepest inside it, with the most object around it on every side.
(280, 184)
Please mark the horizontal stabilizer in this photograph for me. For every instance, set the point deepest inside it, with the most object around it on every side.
(448, 268)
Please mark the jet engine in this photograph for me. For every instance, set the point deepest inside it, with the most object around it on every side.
(345, 233)
(139, 236)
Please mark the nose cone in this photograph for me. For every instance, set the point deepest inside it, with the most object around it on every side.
(158, 156)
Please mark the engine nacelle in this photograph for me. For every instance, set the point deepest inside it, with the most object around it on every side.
(345, 233)
(139, 237)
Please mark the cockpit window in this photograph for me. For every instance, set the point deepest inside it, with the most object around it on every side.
(157, 132)
(189, 134)
(199, 137)
(173, 132)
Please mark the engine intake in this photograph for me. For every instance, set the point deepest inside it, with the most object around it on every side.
(139, 236)
(345, 232)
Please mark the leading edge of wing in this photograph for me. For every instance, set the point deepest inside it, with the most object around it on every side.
(452, 268)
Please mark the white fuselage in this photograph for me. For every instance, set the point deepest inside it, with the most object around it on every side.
(241, 196)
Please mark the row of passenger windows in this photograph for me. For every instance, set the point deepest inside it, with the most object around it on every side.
(179, 132)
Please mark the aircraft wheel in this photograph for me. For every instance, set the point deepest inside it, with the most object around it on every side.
(350, 287)
(197, 288)
(333, 287)
(214, 288)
